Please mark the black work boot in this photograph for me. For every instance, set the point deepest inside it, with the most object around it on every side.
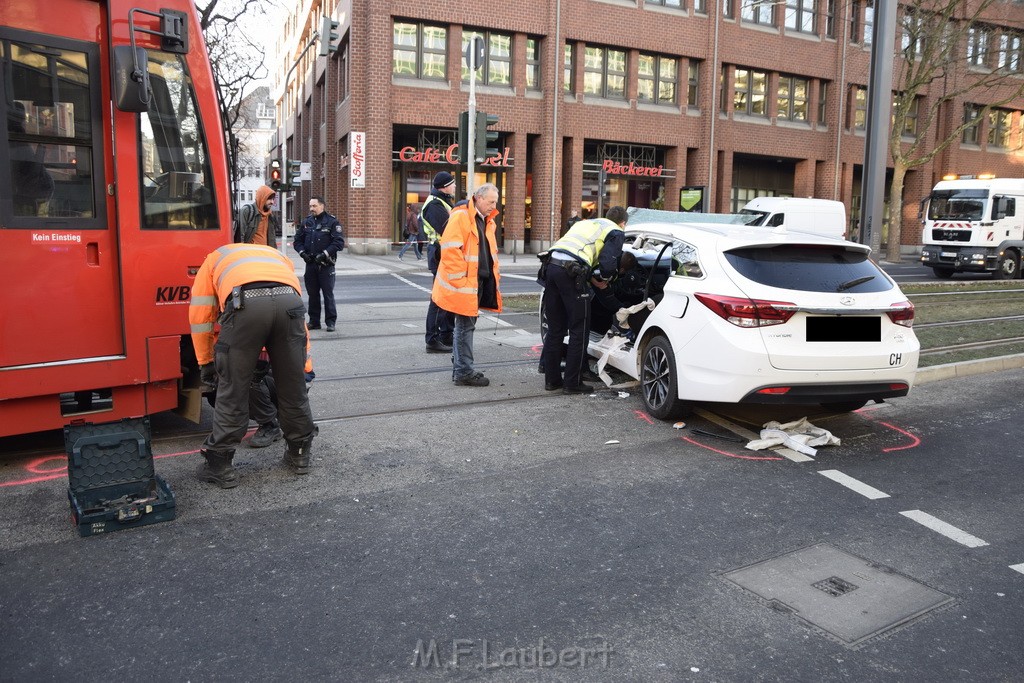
(218, 470)
(296, 456)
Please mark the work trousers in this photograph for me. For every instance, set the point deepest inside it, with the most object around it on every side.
(565, 307)
(275, 322)
(462, 346)
(320, 280)
(440, 323)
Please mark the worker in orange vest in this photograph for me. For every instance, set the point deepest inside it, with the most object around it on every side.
(467, 277)
(252, 291)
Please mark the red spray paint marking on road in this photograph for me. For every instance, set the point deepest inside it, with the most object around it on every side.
(914, 440)
(727, 454)
(643, 416)
(35, 467)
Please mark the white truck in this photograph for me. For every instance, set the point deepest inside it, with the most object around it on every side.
(820, 216)
(972, 225)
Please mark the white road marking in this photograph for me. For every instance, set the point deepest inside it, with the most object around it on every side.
(498, 321)
(1017, 568)
(853, 484)
(410, 325)
(947, 530)
(410, 283)
(531, 278)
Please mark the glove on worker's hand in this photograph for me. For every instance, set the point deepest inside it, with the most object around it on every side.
(208, 378)
(305, 257)
(324, 259)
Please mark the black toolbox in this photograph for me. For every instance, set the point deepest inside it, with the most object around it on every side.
(111, 482)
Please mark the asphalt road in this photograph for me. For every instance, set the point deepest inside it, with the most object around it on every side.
(530, 535)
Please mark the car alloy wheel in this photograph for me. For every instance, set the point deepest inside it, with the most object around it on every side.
(658, 380)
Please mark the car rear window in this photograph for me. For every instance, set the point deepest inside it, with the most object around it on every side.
(809, 268)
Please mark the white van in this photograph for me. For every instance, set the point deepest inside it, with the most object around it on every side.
(820, 216)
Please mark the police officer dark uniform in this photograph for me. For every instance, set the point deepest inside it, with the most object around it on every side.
(588, 252)
(433, 219)
(252, 291)
(318, 241)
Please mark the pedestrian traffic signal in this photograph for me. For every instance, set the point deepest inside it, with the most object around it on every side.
(485, 141)
(463, 139)
(294, 169)
(329, 39)
(275, 175)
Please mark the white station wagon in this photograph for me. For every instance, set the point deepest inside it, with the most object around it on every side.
(754, 315)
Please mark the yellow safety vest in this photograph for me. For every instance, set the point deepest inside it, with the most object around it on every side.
(585, 239)
(429, 229)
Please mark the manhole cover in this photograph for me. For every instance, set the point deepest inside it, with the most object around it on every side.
(843, 595)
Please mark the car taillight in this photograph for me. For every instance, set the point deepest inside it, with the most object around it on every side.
(748, 312)
(902, 313)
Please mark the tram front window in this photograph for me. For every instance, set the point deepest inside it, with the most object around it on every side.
(177, 183)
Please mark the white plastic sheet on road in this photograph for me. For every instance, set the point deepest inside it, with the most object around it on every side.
(799, 435)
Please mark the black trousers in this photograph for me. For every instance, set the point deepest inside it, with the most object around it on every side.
(440, 323)
(566, 309)
(320, 280)
(275, 322)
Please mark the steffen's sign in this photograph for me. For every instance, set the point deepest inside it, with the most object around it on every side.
(434, 155)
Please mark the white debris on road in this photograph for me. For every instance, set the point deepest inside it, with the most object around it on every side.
(800, 435)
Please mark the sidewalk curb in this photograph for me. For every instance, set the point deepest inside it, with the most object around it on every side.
(981, 366)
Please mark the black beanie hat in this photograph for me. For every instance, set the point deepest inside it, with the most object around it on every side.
(443, 179)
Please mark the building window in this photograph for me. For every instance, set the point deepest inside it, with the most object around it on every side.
(792, 98)
(569, 68)
(863, 22)
(604, 72)
(1010, 52)
(420, 51)
(800, 15)
(658, 79)
(497, 66)
(972, 117)
(912, 43)
(977, 46)
(750, 93)
(692, 78)
(869, 23)
(728, 9)
(1000, 125)
(757, 12)
(830, 18)
(822, 101)
(910, 121)
(678, 4)
(859, 110)
(343, 73)
(700, 6)
(533, 64)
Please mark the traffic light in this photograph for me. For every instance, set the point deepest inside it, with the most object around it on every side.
(329, 38)
(485, 140)
(294, 169)
(275, 175)
(463, 139)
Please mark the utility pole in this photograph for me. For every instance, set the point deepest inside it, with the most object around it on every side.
(474, 58)
(876, 139)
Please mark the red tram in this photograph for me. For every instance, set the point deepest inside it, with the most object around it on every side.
(113, 188)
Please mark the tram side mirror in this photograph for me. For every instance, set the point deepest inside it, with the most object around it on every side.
(999, 209)
(131, 79)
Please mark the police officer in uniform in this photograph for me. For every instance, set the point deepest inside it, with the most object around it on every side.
(318, 241)
(433, 219)
(253, 293)
(588, 254)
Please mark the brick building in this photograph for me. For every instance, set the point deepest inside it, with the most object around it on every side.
(652, 101)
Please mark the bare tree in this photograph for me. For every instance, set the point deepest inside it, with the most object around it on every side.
(939, 38)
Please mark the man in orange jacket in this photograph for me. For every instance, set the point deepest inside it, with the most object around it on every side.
(252, 291)
(467, 276)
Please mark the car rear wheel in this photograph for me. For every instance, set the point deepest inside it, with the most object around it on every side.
(844, 406)
(659, 381)
(943, 273)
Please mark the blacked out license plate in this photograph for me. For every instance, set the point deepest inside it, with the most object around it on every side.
(844, 328)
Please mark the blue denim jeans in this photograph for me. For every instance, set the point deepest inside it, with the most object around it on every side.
(462, 346)
(411, 241)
